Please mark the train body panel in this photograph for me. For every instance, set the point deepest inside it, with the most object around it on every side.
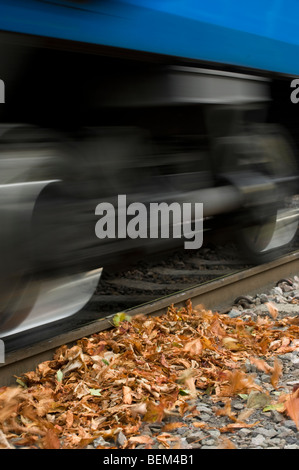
(261, 35)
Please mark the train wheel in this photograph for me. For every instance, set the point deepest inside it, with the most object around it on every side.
(29, 163)
(270, 232)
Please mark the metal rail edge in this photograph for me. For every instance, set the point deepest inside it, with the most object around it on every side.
(216, 295)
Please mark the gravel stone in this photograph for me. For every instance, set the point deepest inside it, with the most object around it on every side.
(288, 423)
(234, 313)
(245, 431)
(204, 408)
(277, 417)
(205, 417)
(266, 432)
(121, 439)
(277, 441)
(263, 298)
(194, 437)
(258, 440)
(214, 433)
(209, 442)
(238, 406)
(100, 441)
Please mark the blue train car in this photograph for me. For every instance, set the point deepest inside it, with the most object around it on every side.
(158, 100)
(260, 34)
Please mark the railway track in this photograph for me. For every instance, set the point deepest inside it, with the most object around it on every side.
(219, 294)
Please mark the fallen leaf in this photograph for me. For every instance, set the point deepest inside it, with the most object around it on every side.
(4, 444)
(277, 371)
(59, 375)
(141, 440)
(292, 407)
(275, 406)
(199, 424)
(231, 343)
(154, 412)
(272, 309)
(258, 400)
(261, 364)
(237, 425)
(226, 443)
(194, 347)
(95, 392)
(120, 317)
(50, 440)
(245, 414)
(69, 418)
(127, 394)
(138, 409)
(172, 426)
(226, 411)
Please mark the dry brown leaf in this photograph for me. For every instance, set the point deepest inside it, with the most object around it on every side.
(226, 443)
(4, 444)
(237, 425)
(138, 409)
(272, 309)
(9, 400)
(261, 364)
(154, 412)
(194, 347)
(216, 329)
(245, 414)
(199, 424)
(277, 371)
(127, 394)
(292, 407)
(69, 418)
(226, 411)
(141, 440)
(173, 426)
(231, 343)
(240, 382)
(50, 440)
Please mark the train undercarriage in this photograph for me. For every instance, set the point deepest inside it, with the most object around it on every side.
(80, 128)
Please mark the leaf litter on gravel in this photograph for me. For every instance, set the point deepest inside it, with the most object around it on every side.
(147, 369)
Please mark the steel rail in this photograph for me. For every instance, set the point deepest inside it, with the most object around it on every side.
(217, 295)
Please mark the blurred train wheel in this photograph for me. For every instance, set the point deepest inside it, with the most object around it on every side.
(29, 163)
(269, 233)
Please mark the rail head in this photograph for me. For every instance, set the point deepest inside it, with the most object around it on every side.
(217, 295)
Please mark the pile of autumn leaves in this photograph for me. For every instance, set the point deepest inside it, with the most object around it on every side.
(145, 370)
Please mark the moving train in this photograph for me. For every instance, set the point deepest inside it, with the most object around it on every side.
(160, 101)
